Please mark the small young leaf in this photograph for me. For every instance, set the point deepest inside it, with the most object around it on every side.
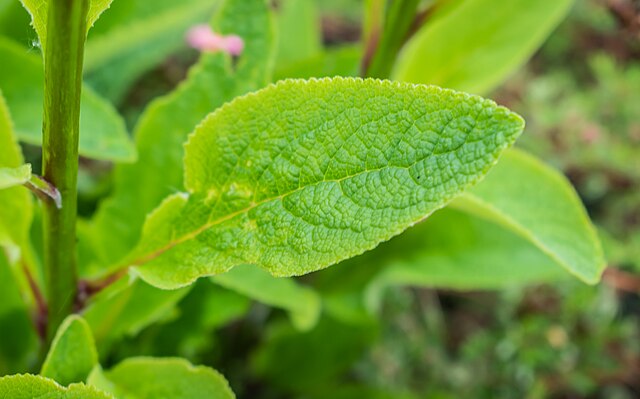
(475, 44)
(304, 174)
(72, 354)
(39, 9)
(539, 203)
(11, 177)
(102, 131)
(302, 303)
(167, 122)
(26, 386)
(149, 378)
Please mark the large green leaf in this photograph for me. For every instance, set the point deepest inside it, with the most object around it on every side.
(11, 177)
(26, 386)
(149, 378)
(136, 35)
(455, 250)
(473, 45)
(102, 131)
(302, 303)
(539, 204)
(166, 123)
(304, 174)
(39, 9)
(125, 310)
(72, 354)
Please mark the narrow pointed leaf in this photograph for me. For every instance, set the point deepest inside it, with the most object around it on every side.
(11, 177)
(39, 9)
(102, 131)
(26, 386)
(167, 122)
(304, 174)
(72, 355)
(149, 378)
(539, 204)
(302, 303)
(473, 45)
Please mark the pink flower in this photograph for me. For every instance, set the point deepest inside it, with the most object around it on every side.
(202, 38)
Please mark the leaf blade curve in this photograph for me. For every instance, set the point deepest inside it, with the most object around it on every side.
(303, 174)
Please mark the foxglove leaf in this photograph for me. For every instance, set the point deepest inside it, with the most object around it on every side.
(26, 386)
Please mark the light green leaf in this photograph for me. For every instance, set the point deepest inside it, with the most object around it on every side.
(149, 378)
(303, 174)
(127, 310)
(302, 303)
(456, 251)
(475, 44)
(135, 36)
(539, 204)
(299, 31)
(166, 123)
(102, 131)
(341, 61)
(72, 354)
(18, 340)
(11, 177)
(26, 386)
(39, 9)
(16, 207)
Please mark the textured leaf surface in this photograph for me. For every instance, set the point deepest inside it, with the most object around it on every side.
(302, 303)
(11, 177)
(303, 174)
(102, 131)
(26, 386)
(475, 44)
(149, 378)
(455, 250)
(39, 8)
(136, 35)
(539, 203)
(72, 355)
(166, 123)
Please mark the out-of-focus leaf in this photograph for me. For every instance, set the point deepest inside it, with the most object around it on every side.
(342, 61)
(39, 10)
(72, 354)
(18, 341)
(27, 386)
(455, 250)
(539, 204)
(136, 35)
(102, 131)
(302, 303)
(299, 30)
(303, 174)
(164, 127)
(473, 45)
(149, 378)
(11, 177)
(112, 316)
(328, 350)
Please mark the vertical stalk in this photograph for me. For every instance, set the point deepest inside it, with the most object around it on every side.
(64, 51)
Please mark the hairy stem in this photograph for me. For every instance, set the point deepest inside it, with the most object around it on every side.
(66, 34)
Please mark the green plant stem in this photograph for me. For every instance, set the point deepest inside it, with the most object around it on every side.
(397, 24)
(66, 34)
